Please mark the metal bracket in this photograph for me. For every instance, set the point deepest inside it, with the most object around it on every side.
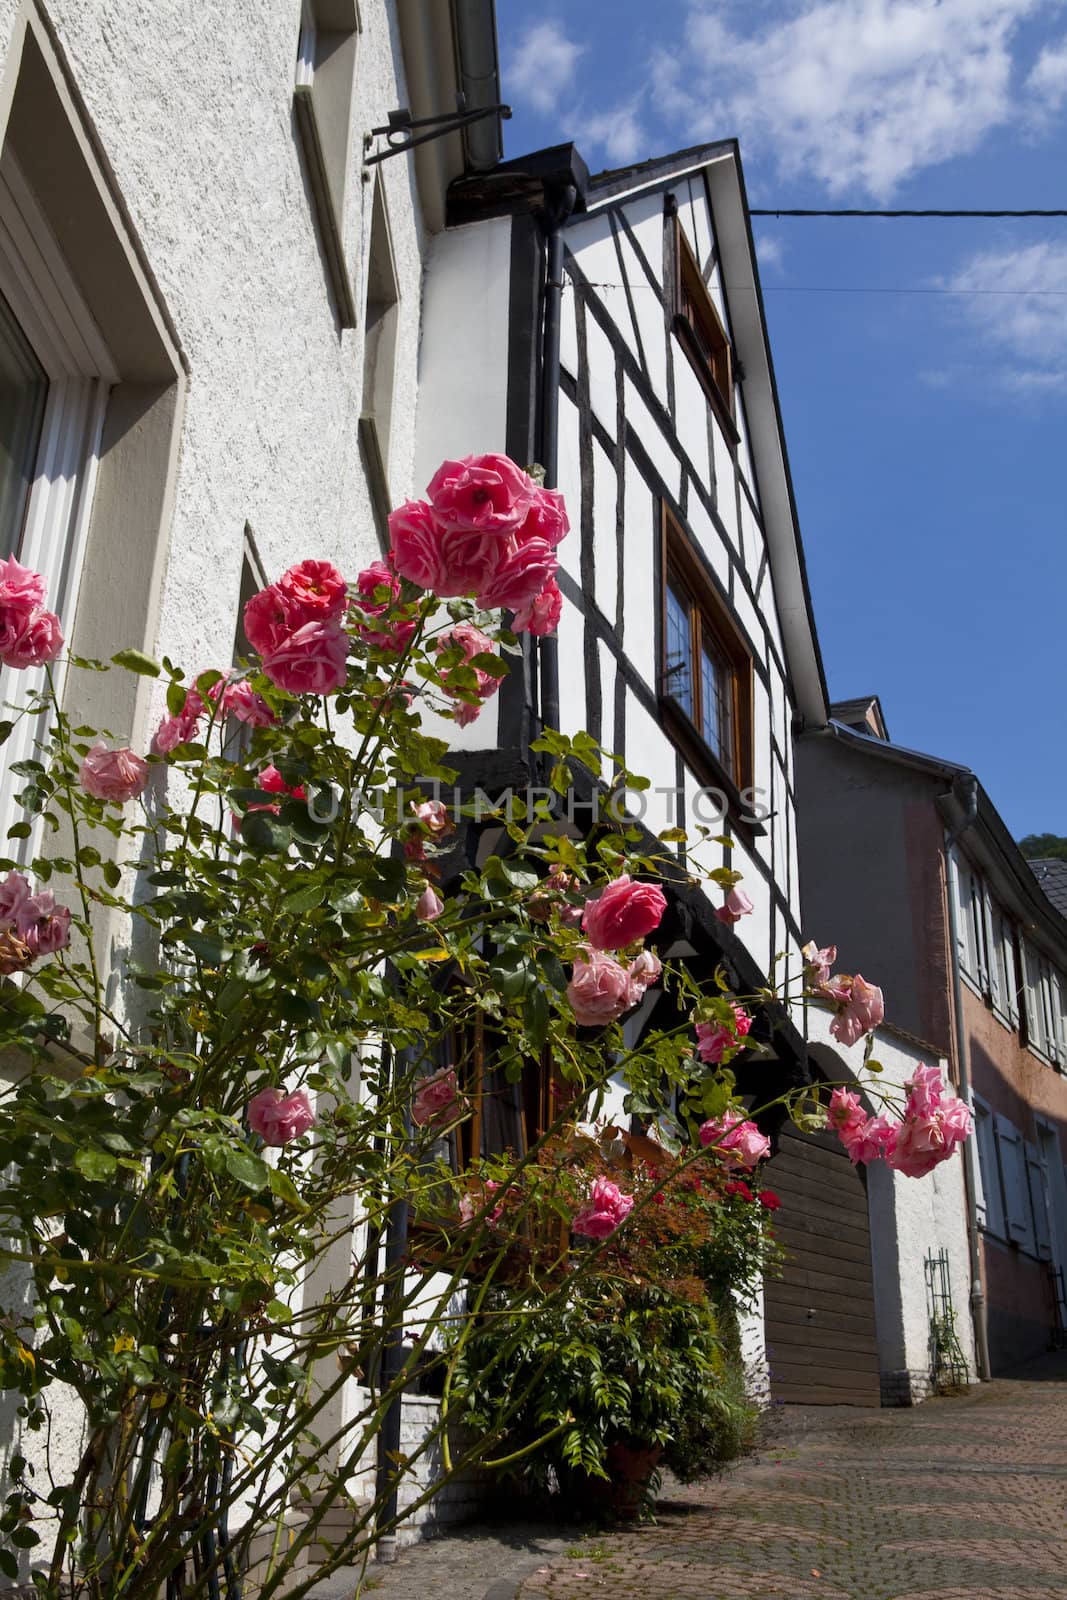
(400, 131)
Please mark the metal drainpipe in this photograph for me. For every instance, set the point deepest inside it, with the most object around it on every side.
(548, 648)
(978, 1302)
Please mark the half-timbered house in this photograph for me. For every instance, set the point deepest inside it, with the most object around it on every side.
(612, 328)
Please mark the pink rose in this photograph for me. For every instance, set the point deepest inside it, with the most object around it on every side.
(270, 617)
(519, 577)
(437, 1101)
(43, 926)
(925, 1089)
(548, 897)
(473, 1205)
(925, 1140)
(415, 543)
(313, 660)
(735, 906)
(546, 518)
(14, 892)
(622, 913)
(845, 1113)
(432, 815)
(238, 699)
(429, 905)
(859, 1012)
(278, 1117)
(603, 1211)
(645, 970)
(469, 559)
(871, 1139)
(116, 775)
(541, 615)
(715, 1038)
(19, 587)
(488, 492)
(818, 963)
(600, 990)
(473, 642)
(380, 580)
(29, 638)
(738, 1142)
(271, 780)
(173, 731)
(316, 589)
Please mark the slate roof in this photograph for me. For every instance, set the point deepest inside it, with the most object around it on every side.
(1051, 874)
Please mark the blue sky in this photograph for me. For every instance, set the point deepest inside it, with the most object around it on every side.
(926, 429)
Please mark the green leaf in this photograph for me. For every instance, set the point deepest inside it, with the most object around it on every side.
(265, 833)
(96, 1165)
(177, 695)
(19, 830)
(305, 899)
(207, 947)
(285, 1189)
(112, 874)
(6, 729)
(247, 1169)
(136, 661)
(536, 1017)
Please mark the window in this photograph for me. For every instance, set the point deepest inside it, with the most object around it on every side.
(507, 1115)
(1006, 998)
(701, 333)
(1044, 998)
(379, 361)
(706, 671)
(324, 76)
(1012, 1153)
(55, 373)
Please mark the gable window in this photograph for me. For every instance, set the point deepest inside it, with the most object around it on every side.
(706, 670)
(700, 331)
(323, 82)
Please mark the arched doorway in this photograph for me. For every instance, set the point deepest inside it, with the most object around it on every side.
(822, 1346)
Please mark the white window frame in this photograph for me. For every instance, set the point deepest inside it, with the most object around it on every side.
(45, 301)
(1038, 1001)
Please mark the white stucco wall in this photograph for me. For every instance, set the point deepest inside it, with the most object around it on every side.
(911, 1218)
(193, 111)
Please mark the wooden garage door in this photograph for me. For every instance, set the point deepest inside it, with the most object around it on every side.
(821, 1344)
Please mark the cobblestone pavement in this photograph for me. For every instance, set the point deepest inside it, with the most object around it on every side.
(958, 1499)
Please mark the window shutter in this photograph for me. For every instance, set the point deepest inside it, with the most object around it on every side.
(1051, 1011)
(1016, 1191)
(990, 1205)
(1059, 1021)
(964, 921)
(1035, 1011)
(1007, 955)
(1038, 1184)
(992, 950)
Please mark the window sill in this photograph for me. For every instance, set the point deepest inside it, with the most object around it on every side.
(708, 769)
(719, 402)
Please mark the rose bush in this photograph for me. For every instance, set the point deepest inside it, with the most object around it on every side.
(226, 944)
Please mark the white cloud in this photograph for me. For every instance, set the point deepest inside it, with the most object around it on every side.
(1047, 82)
(1023, 326)
(543, 66)
(619, 132)
(770, 251)
(858, 94)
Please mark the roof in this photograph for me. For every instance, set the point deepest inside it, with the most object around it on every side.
(1051, 874)
(659, 169)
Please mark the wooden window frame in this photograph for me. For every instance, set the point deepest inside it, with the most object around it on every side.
(680, 562)
(696, 319)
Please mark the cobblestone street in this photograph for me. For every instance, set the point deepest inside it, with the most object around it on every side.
(958, 1499)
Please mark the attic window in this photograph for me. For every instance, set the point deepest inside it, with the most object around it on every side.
(701, 333)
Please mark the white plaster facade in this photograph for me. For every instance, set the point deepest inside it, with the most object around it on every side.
(911, 1219)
